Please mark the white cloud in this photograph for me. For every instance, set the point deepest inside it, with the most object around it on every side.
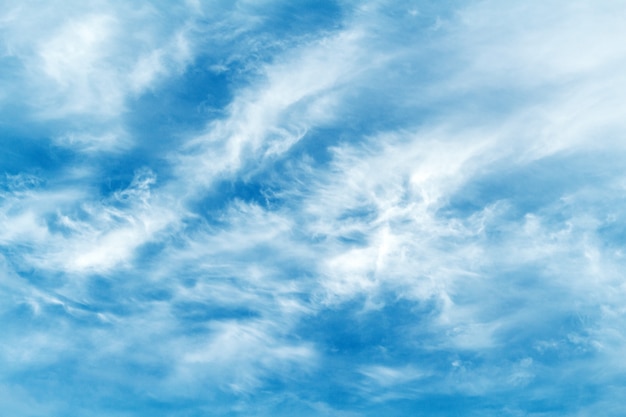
(410, 209)
(300, 90)
(237, 355)
(83, 62)
(73, 59)
(387, 376)
(74, 232)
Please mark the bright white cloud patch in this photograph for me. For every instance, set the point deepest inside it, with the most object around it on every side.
(322, 208)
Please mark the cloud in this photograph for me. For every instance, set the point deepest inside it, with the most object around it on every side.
(229, 348)
(83, 65)
(78, 55)
(265, 121)
(390, 207)
(91, 235)
(386, 376)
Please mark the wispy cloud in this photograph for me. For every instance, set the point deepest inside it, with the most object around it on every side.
(330, 208)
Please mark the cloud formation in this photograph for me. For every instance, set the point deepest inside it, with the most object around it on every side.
(329, 208)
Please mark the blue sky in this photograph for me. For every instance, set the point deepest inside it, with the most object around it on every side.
(313, 208)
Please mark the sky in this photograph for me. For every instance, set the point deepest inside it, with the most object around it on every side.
(312, 208)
